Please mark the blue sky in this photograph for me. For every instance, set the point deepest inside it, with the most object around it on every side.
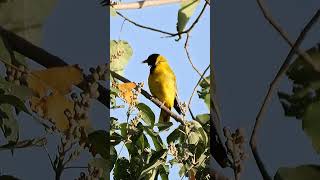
(145, 42)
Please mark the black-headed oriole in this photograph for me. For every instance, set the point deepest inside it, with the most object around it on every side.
(162, 84)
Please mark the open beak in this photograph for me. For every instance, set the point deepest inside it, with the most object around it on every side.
(145, 61)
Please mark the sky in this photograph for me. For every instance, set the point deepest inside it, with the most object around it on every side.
(145, 43)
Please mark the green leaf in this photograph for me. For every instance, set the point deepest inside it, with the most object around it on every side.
(22, 92)
(99, 140)
(25, 18)
(113, 157)
(164, 172)
(147, 114)
(101, 163)
(123, 130)
(193, 138)
(120, 54)
(182, 170)
(9, 124)
(164, 125)
(174, 136)
(121, 169)
(143, 142)
(115, 138)
(156, 160)
(304, 101)
(298, 173)
(204, 93)
(204, 83)
(203, 118)
(202, 159)
(311, 124)
(197, 127)
(14, 101)
(155, 139)
(186, 11)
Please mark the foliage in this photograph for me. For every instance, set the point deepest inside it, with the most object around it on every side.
(303, 103)
(187, 146)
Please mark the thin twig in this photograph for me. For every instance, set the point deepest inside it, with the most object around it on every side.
(271, 89)
(124, 20)
(51, 162)
(143, 4)
(145, 27)
(191, 113)
(285, 36)
(170, 34)
(189, 58)
(151, 98)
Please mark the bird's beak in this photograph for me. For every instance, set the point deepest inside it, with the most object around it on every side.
(145, 61)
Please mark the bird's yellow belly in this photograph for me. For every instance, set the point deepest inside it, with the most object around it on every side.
(163, 88)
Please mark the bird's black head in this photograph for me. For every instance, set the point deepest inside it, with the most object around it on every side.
(152, 60)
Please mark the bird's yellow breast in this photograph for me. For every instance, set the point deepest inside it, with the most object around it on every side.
(162, 83)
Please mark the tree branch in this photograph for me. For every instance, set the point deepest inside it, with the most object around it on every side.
(285, 35)
(271, 89)
(143, 4)
(151, 98)
(145, 27)
(45, 59)
(170, 34)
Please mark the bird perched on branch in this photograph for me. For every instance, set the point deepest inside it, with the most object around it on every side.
(162, 84)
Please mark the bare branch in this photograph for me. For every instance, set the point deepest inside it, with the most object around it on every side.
(170, 34)
(285, 35)
(145, 27)
(151, 98)
(143, 4)
(271, 89)
(189, 58)
(51, 162)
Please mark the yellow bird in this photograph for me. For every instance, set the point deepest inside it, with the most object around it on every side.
(162, 84)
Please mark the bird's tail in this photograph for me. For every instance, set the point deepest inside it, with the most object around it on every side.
(164, 117)
(165, 120)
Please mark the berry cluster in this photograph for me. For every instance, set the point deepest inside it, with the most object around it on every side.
(97, 74)
(17, 75)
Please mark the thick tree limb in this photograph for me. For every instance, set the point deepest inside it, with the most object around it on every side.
(45, 59)
(271, 89)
